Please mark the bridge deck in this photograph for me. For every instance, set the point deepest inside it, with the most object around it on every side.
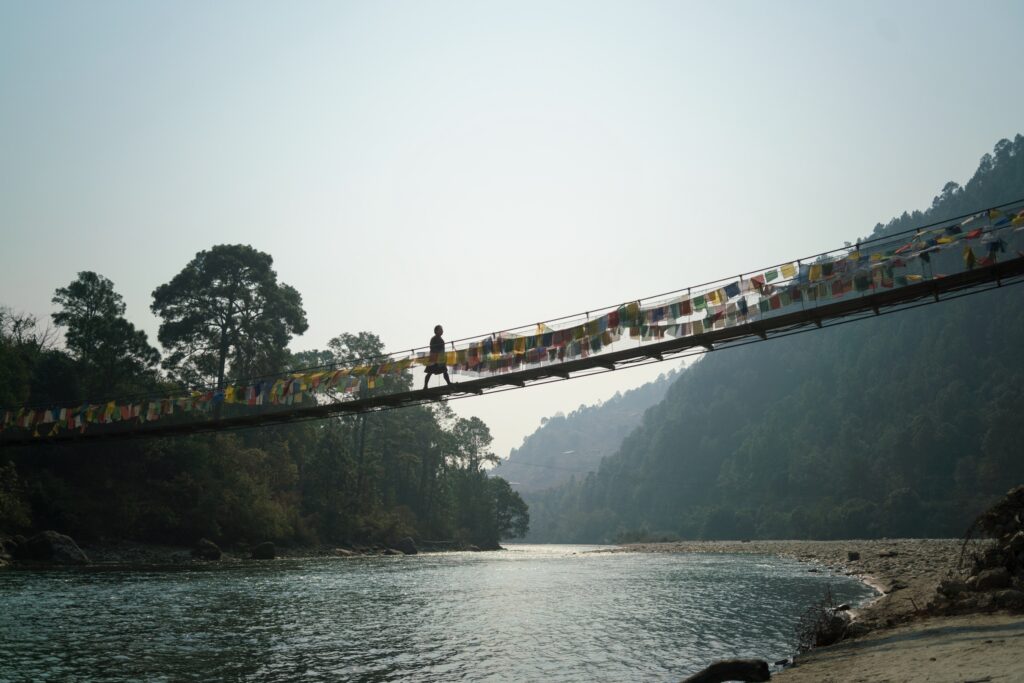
(928, 291)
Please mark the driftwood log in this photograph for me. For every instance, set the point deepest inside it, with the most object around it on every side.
(732, 670)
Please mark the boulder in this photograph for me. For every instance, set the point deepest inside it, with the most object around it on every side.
(1009, 599)
(834, 629)
(206, 550)
(1016, 543)
(852, 556)
(990, 559)
(391, 551)
(754, 670)
(492, 545)
(952, 587)
(345, 552)
(992, 579)
(264, 551)
(407, 546)
(857, 629)
(50, 546)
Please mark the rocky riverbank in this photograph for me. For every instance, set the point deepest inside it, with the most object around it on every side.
(52, 549)
(905, 572)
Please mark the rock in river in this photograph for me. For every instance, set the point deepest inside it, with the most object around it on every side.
(264, 551)
(206, 550)
(50, 546)
(406, 545)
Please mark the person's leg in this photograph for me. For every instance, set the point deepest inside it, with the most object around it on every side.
(446, 377)
(426, 380)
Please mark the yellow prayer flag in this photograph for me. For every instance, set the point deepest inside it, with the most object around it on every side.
(815, 273)
(788, 270)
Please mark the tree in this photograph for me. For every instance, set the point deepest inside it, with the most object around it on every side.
(473, 442)
(511, 515)
(226, 311)
(20, 345)
(112, 352)
(367, 348)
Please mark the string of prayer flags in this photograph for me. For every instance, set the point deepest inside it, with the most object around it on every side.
(867, 267)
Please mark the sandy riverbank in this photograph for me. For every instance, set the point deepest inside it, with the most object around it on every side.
(903, 643)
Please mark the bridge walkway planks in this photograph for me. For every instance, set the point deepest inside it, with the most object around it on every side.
(928, 291)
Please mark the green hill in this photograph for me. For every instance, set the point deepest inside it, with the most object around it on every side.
(903, 425)
(573, 445)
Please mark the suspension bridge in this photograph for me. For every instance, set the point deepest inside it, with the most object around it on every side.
(934, 263)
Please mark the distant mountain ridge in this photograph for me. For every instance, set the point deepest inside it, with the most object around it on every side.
(573, 445)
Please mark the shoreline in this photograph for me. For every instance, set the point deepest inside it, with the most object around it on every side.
(120, 554)
(893, 637)
(905, 572)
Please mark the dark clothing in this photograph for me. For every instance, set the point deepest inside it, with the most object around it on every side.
(436, 344)
(436, 353)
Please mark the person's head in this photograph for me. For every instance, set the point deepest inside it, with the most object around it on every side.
(438, 330)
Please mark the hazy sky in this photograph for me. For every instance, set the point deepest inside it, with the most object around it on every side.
(480, 164)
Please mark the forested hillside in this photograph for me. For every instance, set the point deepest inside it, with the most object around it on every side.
(416, 472)
(904, 425)
(573, 445)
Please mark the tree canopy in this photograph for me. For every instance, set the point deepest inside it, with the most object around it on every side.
(113, 353)
(226, 311)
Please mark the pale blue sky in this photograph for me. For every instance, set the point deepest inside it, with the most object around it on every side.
(480, 164)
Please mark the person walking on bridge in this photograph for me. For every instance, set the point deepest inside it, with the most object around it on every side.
(437, 360)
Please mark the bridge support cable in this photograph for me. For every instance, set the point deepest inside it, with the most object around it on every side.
(896, 273)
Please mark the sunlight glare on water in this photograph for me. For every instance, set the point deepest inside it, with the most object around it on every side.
(530, 613)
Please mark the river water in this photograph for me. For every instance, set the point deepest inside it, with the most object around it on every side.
(531, 613)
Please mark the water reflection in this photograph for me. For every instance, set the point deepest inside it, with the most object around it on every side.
(530, 613)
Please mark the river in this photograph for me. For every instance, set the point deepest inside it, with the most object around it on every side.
(530, 613)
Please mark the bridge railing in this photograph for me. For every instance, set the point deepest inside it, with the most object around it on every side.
(855, 270)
